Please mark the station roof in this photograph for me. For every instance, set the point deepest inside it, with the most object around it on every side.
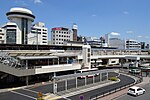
(35, 57)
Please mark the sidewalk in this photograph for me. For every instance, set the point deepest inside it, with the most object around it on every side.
(124, 91)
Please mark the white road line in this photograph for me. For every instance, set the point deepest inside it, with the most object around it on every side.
(23, 95)
(30, 91)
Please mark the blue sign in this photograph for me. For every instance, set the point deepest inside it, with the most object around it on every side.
(81, 97)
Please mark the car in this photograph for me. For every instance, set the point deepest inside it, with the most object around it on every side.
(135, 91)
(135, 71)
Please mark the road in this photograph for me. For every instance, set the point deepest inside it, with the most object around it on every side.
(124, 81)
(141, 97)
(30, 93)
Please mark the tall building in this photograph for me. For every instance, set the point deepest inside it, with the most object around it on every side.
(61, 34)
(142, 45)
(75, 30)
(11, 30)
(132, 44)
(19, 26)
(2, 36)
(117, 43)
(38, 34)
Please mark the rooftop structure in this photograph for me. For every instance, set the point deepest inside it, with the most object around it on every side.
(23, 19)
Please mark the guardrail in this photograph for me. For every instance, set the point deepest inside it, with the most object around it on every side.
(105, 93)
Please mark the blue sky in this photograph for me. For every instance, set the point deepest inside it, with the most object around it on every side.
(123, 18)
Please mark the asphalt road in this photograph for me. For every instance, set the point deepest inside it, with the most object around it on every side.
(124, 81)
(31, 93)
(145, 96)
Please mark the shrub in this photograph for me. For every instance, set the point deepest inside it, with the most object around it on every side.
(113, 78)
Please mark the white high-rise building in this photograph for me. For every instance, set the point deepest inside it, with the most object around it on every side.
(38, 34)
(60, 34)
(2, 36)
(19, 27)
(132, 44)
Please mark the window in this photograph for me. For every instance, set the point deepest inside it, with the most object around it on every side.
(88, 50)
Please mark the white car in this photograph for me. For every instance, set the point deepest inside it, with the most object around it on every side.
(136, 91)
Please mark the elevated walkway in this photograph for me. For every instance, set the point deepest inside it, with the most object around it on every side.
(43, 69)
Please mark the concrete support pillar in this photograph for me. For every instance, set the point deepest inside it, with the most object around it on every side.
(67, 60)
(26, 64)
(76, 82)
(100, 76)
(27, 80)
(53, 61)
(107, 75)
(66, 85)
(48, 61)
(85, 80)
(58, 61)
(93, 79)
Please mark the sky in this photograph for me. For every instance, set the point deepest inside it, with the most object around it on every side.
(126, 19)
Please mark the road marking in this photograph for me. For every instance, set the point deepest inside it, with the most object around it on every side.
(30, 90)
(23, 95)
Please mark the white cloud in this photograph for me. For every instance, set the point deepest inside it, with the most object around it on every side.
(115, 33)
(140, 36)
(93, 15)
(37, 1)
(126, 12)
(147, 37)
(130, 32)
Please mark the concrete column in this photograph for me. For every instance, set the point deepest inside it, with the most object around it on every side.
(67, 60)
(85, 80)
(94, 79)
(27, 80)
(100, 76)
(76, 82)
(66, 85)
(54, 74)
(58, 61)
(107, 75)
(48, 61)
(26, 64)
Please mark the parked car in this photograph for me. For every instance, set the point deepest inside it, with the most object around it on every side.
(135, 71)
(136, 91)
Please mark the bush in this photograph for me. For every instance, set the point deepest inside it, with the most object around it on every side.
(113, 78)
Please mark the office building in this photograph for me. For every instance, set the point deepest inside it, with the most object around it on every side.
(132, 44)
(38, 34)
(61, 34)
(2, 36)
(117, 43)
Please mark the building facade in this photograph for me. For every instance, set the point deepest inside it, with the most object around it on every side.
(21, 20)
(2, 36)
(38, 34)
(60, 34)
(117, 43)
(75, 30)
(132, 44)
